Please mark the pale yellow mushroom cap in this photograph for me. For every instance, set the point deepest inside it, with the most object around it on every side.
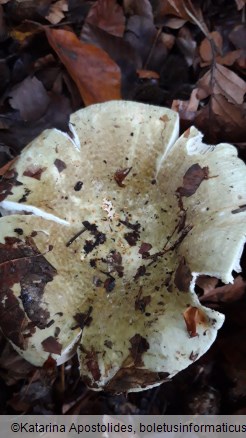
(105, 231)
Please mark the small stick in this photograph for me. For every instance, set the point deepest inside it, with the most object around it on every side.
(75, 237)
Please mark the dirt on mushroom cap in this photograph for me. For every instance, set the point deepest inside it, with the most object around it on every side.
(123, 257)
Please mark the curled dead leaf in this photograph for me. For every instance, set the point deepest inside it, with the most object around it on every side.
(193, 317)
(96, 75)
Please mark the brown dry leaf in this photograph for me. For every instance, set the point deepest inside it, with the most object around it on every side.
(12, 366)
(221, 121)
(238, 36)
(205, 48)
(230, 115)
(187, 45)
(174, 22)
(142, 35)
(184, 9)
(231, 57)
(138, 7)
(96, 75)
(187, 109)
(147, 74)
(207, 55)
(56, 11)
(168, 40)
(192, 180)
(221, 80)
(193, 316)
(30, 98)
(4, 168)
(207, 284)
(227, 293)
(240, 4)
(108, 16)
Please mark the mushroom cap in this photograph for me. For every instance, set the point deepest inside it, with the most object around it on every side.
(105, 232)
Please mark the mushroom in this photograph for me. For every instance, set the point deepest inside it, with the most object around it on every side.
(105, 231)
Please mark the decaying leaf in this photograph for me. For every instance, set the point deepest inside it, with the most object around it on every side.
(185, 9)
(107, 15)
(56, 11)
(193, 317)
(221, 80)
(30, 98)
(226, 294)
(96, 75)
(116, 266)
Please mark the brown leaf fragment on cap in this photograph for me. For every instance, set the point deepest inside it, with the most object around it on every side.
(120, 175)
(51, 345)
(8, 181)
(192, 317)
(114, 261)
(92, 365)
(192, 180)
(60, 165)
(183, 276)
(193, 356)
(34, 173)
(84, 319)
(132, 238)
(109, 284)
(144, 249)
(141, 303)
(139, 346)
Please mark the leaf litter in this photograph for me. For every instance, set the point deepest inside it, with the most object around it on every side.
(103, 50)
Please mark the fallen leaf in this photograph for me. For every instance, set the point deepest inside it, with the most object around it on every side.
(107, 15)
(238, 36)
(185, 9)
(143, 36)
(187, 109)
(206, 283)
(96, 75)
(30, 98)
(225, 294)
(193, 316)
(51, 345)
(186, 44)
(192, 180)
(231, 57)
(139, 346)
(138, 7)
(240, 4)
(4, 168)
(120, 175)
(205, 49)
(147, 74)
(127, 58)
(221, 80)
(221, 121)
(56, 11)
(183, 276)
(168, 40)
